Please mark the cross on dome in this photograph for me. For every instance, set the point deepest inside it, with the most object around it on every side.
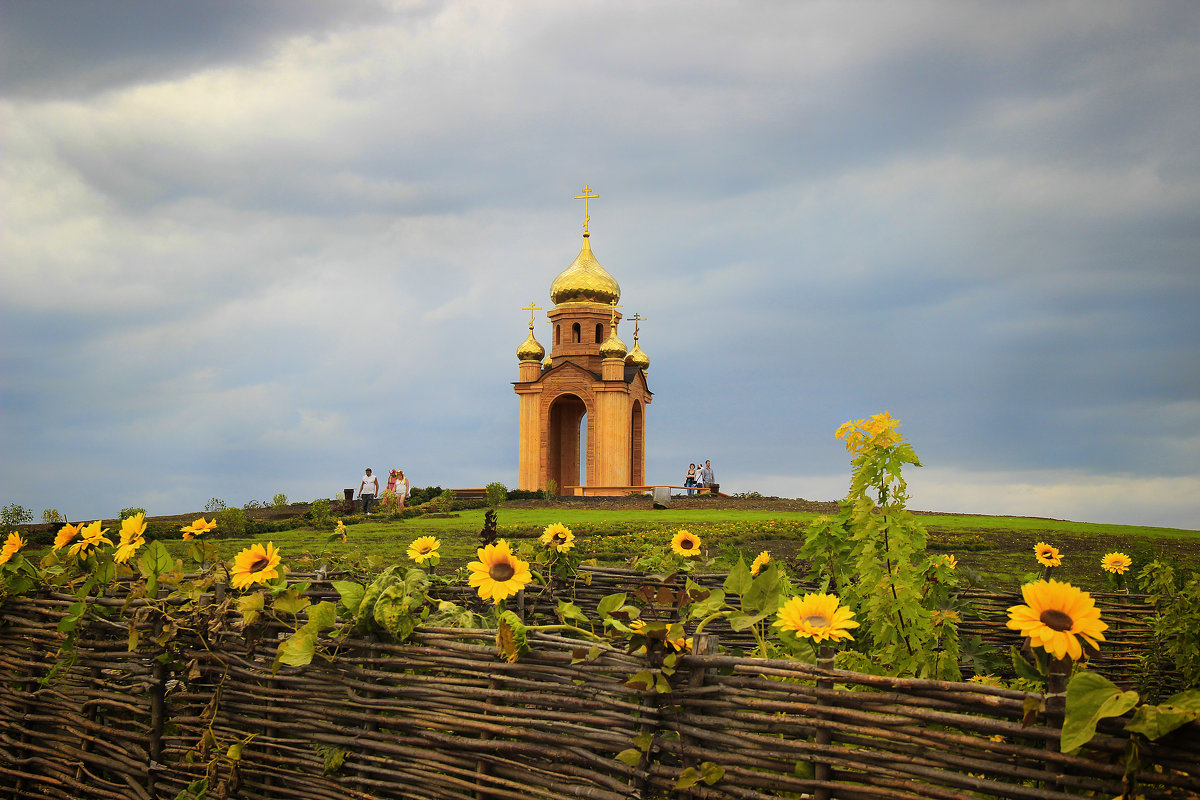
(585, 197)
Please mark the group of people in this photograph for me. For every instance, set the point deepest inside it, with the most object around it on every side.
(699, 476)
(393, 495)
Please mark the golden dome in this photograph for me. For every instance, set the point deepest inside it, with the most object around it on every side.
(613, 347)
(585, 280)
(637, 356)
(530, 349)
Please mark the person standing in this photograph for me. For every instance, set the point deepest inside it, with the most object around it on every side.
(401, 488)
(707, 479)
(689, 480)
(367, 491)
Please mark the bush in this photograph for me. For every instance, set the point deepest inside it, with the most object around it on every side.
(12, 515)
(231, 522)
(126, 513)
(551, 490)
(497, 493)
(523, 494)
(418, 496)
(279, 500)
(320, 514)
(444, 502)
(51, 516)
(255, 527)
(214, 504)
(252, 504)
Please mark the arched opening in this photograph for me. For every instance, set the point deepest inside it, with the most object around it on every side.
(557, 335)
(637, 446)
(599, 333)
(568, 441)
(576, 333)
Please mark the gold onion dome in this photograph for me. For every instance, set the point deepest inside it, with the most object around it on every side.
(530, 349)
(613, 347)
(637, 356)
(585, 281)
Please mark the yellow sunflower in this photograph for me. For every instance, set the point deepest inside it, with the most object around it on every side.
(198, 528)
(340, 530)
(424, 549)
(132, 530)
(686, 544)
(760, 561)
(90, 536)
(498, 573)
(255, 564)
(1116, 563)
(1047, 555)
(12, 544)
(817, 616)
(1054, 615)
(557, 537)
(950, 561)
(65, 535)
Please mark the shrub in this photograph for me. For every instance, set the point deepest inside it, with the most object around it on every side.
(12, 515)
(444, 502)
(523, 494)
(51, 515)
(497, 493)
(319, 512)
(126, 513)
(252, 504)
(214, 504)
(551, 490)
(418, 496)
(231, 522)
(279, 500)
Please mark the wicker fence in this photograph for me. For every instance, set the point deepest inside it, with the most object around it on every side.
(442, 716)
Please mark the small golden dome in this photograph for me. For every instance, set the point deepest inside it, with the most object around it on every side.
(613, 347)
(637, 356)
(585, 280)
(547, 362)
(530, 349)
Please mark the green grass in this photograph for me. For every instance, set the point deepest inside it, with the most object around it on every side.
(999, 549)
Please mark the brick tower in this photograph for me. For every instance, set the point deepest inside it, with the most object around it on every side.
(589, 379)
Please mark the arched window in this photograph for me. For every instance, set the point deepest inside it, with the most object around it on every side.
(599, 333)
(557, 334)
(576, 334)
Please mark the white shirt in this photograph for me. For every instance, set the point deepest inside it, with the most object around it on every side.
(368, 482)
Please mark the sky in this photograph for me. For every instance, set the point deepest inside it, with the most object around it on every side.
(251, 248)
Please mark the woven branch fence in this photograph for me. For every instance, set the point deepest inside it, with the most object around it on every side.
(442, 716)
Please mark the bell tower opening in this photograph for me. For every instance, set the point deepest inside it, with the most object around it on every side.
(567, 441)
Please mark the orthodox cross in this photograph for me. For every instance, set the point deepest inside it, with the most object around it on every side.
(585, 197)
(531, 308)
(637, 319)
(613, 319)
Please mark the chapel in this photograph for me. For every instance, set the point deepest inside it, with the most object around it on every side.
(590, 389)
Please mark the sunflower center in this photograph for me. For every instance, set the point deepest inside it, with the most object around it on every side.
(686, 544)
(559, 538)
(502, 571)
(1055, 619)
(816, 621)
(259, 563)
(424, 549)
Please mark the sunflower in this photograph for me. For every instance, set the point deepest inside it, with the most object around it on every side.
(950, 561)
(686, 544)
(1047, 555)
(817, 616)
(340, 531)
(1054, 615)
(12, 544)
(1116, 563)
(132, 531)
(198, 528)
(255, 564)
(760, 561)
(90, 536)
(498, 573)
(65, 535)
(557, 537)
(424, 549)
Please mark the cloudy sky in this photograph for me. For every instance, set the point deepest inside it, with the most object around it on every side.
(253, 247)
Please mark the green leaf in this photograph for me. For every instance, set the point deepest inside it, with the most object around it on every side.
(710, 605)
(739, 579)
(739, 621)
(569, 611)
(250, 606)
(643, 680)
(643, 741)
(291, 602)
(1091, 698)
(155, 560)
(711, 773)
(321, 616)
(1154, 722)
(1025, 669)
(632, 757)
(688, 778)
(297, 650)
(610, 603)
(350, 593)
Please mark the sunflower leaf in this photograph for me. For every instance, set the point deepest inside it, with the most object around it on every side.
(1154, 722)
(291, 602)
(610, 603)
(350, 593)
(688, 778)
(739, 578)
(297, 650)
(1091, 698)
(632, 757)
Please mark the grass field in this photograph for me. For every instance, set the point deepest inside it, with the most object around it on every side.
(998, 549)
